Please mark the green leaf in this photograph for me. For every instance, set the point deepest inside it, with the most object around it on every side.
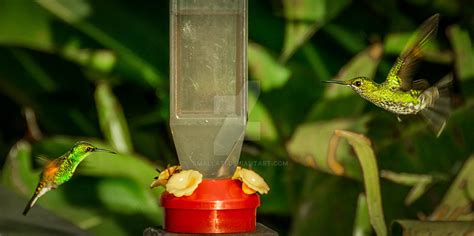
(71, 11)
(112, 120)
(311, 146)
(277, 201)
(351, 41)
(25, 24)
(304, 18)
(18, 171)
(34, 70)
(363, 64)
(122, 195)
(420, 183)
(366, 157)
(456, 204)
(394, 44)
(462, 46)
(326, 207)
(317, 62)
(348, 102)
(98, 60)
(75, 13)
(362, 220)
(296, 34)
(264, 68)
(420, 228)
(38, 221)
(260, 125)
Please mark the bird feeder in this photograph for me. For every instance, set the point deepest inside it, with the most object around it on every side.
(208, 83)
(209, 114)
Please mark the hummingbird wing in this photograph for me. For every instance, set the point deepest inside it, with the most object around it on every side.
(43, 160)
(420, 84)
(401, 73)
(438, 104)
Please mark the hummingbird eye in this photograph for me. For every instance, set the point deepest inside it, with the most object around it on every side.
(88, 149)
(357, 83)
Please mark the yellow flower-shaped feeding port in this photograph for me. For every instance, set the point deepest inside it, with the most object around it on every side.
(165, 175)
(251, 181)
(184, 183)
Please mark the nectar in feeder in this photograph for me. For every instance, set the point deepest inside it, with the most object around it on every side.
(208, 84)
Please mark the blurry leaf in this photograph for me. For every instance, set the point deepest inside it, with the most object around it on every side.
(463, 51)
(304, 10)
(351, 41)
(296, 33)
(263, 67)
(458, 200)
(363, 64)
(326, 207)
(112, 120)
(74, 12)
(34, 69)
(99, 60)
(395, 43)
(304, 17)
(362, 147)
(311, 143)
(32, 124)
(277, 201)
(130, 166)
(71, 11)
(317, 62)
(17, 171)
(25, 24)
(362, 221)
(447, 7)
(38, 222)
(260, 126)
(421, 228)
(420, 183)
(103, 61)
(349, 103)
(122, 195)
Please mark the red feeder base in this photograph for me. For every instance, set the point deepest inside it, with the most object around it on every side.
(216, 206)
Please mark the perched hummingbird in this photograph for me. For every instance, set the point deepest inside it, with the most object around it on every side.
(60, 170)
(403, 96)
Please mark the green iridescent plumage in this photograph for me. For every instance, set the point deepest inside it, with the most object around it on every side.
(403, 96)
(60, 170)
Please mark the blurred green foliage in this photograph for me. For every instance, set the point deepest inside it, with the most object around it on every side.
(98, 71)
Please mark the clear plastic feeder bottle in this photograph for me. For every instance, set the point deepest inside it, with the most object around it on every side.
(208, 83)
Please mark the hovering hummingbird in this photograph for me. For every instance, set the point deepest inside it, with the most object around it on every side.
(401, 95)
(60, 170)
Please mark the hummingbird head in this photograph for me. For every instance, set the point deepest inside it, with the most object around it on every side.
(361, 85)
(82, 148)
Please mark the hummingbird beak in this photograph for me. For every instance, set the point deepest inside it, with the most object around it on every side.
(336, 82)
(103, 150)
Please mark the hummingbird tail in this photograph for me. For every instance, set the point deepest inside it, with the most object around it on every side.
(438, 104)
(40, 190)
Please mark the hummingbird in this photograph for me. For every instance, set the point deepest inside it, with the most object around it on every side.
(60, 170)
(402, 95)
